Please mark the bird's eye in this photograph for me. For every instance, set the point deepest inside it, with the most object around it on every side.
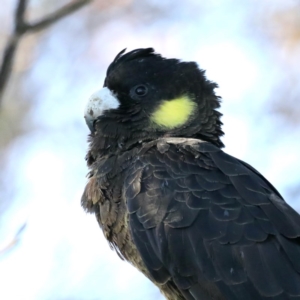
(140, 90)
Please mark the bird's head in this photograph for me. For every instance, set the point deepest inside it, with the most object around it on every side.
(146, 96)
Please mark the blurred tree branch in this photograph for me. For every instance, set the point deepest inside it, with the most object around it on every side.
(22, 26)
(14, 241)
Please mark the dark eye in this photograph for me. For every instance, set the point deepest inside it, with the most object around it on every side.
(140, 90)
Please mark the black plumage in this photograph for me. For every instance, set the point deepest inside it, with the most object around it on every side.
(196, 221)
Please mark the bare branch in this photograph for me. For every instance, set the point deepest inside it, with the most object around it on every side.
(21, 27)
(14, 241)
(10, 49)
(59, 14)
(7, 62)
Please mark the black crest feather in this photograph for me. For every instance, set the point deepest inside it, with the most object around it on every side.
(134, 54)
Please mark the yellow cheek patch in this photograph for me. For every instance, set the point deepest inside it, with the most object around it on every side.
(173, 113)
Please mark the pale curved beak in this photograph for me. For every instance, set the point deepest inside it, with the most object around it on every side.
(98, 103)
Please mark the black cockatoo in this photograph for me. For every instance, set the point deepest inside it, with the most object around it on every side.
(199, 223)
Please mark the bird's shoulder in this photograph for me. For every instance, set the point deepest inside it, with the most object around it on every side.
(197, 175)
(198, 214)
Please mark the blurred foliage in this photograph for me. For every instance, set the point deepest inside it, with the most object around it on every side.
(281, 29)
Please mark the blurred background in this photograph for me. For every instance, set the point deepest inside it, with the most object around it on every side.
(49, 248)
